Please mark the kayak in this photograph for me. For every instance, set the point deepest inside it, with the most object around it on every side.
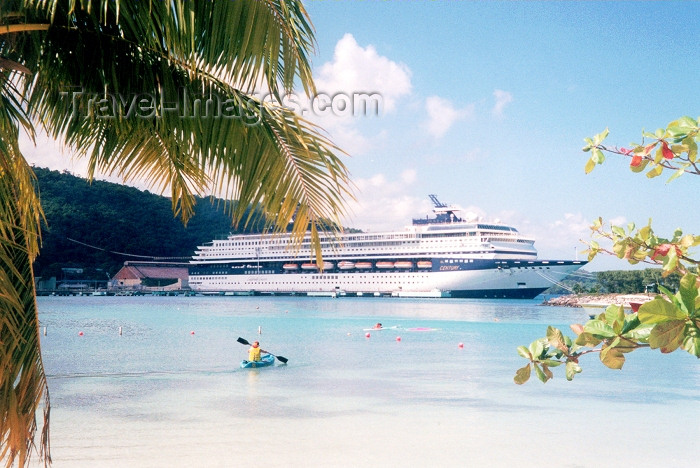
(382, 328)
(265, 360)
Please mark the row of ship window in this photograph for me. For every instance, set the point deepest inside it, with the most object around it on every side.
(327, 245)
(314, 277)
(310, 282)
(285, 241)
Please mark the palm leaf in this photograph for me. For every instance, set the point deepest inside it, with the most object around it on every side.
(62, 61)
(23, 386)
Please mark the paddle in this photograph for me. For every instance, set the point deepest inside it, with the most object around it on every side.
(280, 358)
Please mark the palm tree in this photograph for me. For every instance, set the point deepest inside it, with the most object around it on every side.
(119, 82)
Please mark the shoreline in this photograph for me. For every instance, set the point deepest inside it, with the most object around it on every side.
(579, 300)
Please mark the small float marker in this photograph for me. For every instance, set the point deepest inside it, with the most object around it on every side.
(398, 338)
(192, 332)
(120, 331)
(460, 346)
(367, 335)
(80, 333)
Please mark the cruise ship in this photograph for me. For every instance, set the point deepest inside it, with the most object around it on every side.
(440, 256)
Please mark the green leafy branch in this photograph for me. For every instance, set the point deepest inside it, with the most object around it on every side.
(642, 245)
(672, 148)
(668, 322)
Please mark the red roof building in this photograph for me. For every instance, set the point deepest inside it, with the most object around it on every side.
(151, 276)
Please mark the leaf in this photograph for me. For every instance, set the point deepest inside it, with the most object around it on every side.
(572, 368)
(691, 343)
(688, 292)
(640, 333)
(597, 156)
(598, 328)
(678, 173)
(548, 373)
(644, 233)
(587, 339)
(615, 317)
(667, 336)
(659, 310)
(598, 139)
(618, 231)
(655, 172)
(522, 375)
(612, 357)
(556, 339)
(687, 241)
(524, 352)
(667, 152)
(541, 374)
(536, 348)
(590, 165)
(692, 148)
(638, 165)
(551, 363)
(576, 328)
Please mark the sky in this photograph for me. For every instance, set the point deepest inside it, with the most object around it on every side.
(486, 104)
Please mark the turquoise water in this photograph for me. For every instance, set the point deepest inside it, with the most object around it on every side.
(168, 390)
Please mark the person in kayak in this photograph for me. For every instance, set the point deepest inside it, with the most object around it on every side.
(378, 325)
(254, 352)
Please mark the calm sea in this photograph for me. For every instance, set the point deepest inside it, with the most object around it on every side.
(155, 382)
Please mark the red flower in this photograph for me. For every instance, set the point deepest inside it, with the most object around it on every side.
(625, 151)
(636, 160)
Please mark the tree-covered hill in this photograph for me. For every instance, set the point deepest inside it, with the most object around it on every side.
(100, 225)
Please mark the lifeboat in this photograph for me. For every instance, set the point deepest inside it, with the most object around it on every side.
(403, 265)
(385, 265)
(425, 264)
(290, 266)
(313, 266)
(345, 265)
(363, 265)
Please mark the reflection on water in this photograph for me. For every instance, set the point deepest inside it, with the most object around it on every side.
(159, 395)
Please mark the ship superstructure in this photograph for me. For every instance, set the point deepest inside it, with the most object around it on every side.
(442, 256)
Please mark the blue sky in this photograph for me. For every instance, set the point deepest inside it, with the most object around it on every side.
(486, 104)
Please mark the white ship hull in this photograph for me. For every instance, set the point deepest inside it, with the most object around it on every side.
(523, 281)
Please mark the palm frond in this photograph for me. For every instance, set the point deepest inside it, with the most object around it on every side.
(23, 387)
(65, 63)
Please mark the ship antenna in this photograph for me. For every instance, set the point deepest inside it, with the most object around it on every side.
(436, 202)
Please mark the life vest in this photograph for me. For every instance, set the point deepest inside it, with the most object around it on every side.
(254, 354)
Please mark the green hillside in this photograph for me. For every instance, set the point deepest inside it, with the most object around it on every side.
(99, 225)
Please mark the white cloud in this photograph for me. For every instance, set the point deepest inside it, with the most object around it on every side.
(366, 84)
(503, 98)
(409, 176)
(355, 69)
(386, 203)
(442, 115)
